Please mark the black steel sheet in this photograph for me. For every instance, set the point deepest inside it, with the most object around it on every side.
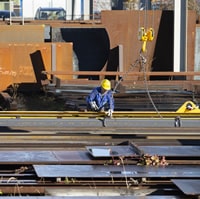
(27, 156)
(112, 151)
(188, 186)
(36, 157)
(176, 151)
(72, 156)
(69, 157)
(102, 171)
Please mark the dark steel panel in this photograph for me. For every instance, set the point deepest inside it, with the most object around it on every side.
(72, 156)
(112, 151)
(101, 171)
(189, 187)
(27, 156)
(181, 151)
(36, 157)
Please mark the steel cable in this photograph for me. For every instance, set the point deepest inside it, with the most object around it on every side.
(140, 61)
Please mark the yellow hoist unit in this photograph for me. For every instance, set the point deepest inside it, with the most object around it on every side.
(145, 36)
(189, 107)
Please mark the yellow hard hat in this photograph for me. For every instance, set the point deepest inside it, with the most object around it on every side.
(105, 84)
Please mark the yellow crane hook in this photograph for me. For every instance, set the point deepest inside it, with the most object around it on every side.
(145, 36)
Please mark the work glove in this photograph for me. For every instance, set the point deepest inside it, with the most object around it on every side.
(109, 113)
(94, 106)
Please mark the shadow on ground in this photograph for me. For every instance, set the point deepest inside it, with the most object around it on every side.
(5, 129)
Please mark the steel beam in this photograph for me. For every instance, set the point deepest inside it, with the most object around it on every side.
(78, 114)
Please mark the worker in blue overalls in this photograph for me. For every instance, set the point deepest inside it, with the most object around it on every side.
(101, 98)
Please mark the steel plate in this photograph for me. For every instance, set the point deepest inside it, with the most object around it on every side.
(181, 151)
(27, 156)
(102, 171)
(72, 156)
(112, 151)
(189, 187)
(35, 157)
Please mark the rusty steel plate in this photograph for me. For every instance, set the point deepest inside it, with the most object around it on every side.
(176, 151)
(102, 171)
(112, 151)
(188, 186)
(90, 197)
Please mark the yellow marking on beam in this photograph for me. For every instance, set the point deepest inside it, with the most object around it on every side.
(188, 137)
(132, 115)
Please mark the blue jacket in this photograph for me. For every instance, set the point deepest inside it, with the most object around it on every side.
(101, 100)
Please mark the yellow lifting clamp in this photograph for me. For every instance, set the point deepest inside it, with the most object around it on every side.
(145, 36)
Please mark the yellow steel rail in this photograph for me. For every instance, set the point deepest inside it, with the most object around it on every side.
(187, 110)
(78, 114)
